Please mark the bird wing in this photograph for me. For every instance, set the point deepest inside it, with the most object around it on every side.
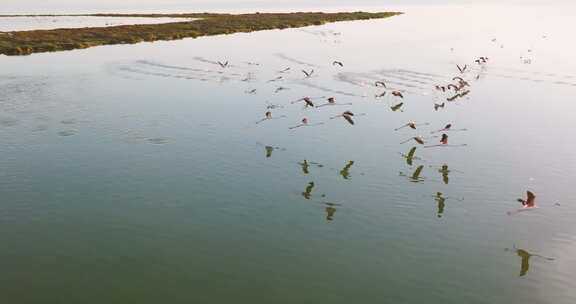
(530, 202)
(349, 119)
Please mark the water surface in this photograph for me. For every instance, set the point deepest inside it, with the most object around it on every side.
(28, 23)
(138, 174)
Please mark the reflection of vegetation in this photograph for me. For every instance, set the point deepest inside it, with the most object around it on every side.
(345, 172)
(28, 42)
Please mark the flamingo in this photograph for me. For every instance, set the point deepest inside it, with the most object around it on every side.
(305, 123)
(441, 88)
(379, 83)
(529, 202)
(276, 79)
(308, 74)
(397, 94)
(462, 69)
(418, 139)
(268, 116)
(448, 128)
(380, 95)
(438, 106)
(346, 115)
(456, 88)
(278, 89)
(444, 139)
(412, 125)
(332, 102)
(307, 100)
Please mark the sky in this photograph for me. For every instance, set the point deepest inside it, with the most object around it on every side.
(79, 6)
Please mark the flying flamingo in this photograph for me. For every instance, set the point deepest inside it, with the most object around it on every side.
(332, 102)
(308, 74)
(439, 106)
(462, 69)
(346, 115)
(305, 123)
(412, 125)
(268, 116)
(307, 100)
(529, 202)
(418, 139)
(379, 84)
(448, 128)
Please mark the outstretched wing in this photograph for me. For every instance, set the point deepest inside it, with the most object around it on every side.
(530, 202)
(348, 119)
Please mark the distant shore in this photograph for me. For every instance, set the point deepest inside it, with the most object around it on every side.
(19, 43)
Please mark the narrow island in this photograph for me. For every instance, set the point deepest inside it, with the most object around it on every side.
(204, 24)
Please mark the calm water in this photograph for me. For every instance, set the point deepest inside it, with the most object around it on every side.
(46, 23)
(137, 173)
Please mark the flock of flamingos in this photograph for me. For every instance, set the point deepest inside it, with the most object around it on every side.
(445, 91)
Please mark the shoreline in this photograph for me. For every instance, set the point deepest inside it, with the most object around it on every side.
(19, 43)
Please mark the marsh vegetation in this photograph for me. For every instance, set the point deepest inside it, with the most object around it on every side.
(38, 41)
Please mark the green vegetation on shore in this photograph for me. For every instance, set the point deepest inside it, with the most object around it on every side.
(38, 41)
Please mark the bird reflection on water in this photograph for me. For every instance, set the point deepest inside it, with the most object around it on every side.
(345, 172)
(307, 194)
(525, 259)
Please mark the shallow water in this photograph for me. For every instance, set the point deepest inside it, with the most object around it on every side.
(138, 174)
(23, 23)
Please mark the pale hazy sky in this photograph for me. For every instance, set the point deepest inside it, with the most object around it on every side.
(55, 6)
